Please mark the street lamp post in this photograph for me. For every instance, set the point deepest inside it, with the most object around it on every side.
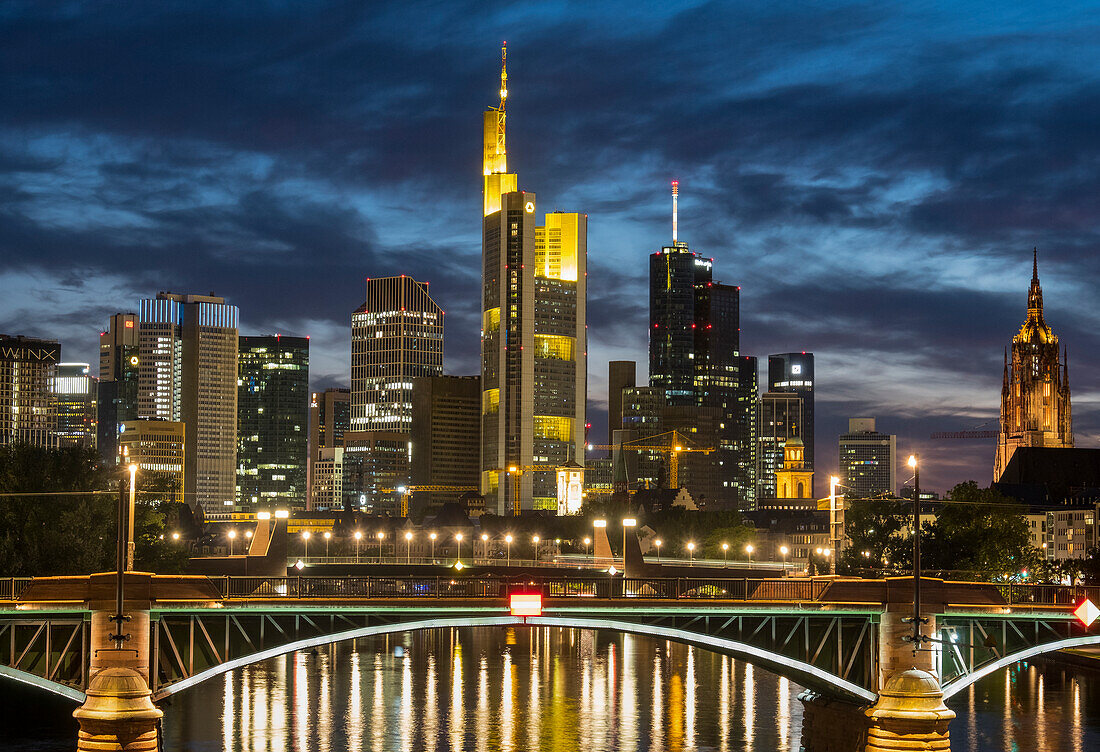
(358, 537)
(485, 545)
(749, 549)
(432, 537)
(917, 639)
(691, 554)
(508, 544)
(657, 544)
(130, 547)
(783, 551)
(587, 543)
(458, 538)
(725, 552)
(408, 547)
(232, 536)
(628, 522)
(305, 544)
(535, 546)
(328, 537)
(381, 536)
(835, 524)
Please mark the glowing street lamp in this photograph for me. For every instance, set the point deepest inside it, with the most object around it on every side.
(725, 549)
(175, 536)
(535, 545)
(380, 535)
(130, 546)
(783, 551)
(248, 534)
(232, 535)
(691, 553)
(657, 543)
(508, 544)
(328, 538)
(485, 545)
(458, 538)
(358, 537)
(305, 544)
(749, 549)
(432, 537)
(917, 638)
(408, 547)
(587, 543)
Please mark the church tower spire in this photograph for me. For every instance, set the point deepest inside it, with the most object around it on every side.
(1035, 399)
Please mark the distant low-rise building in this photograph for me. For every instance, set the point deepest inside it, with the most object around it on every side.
(157, 446)
(867, 460)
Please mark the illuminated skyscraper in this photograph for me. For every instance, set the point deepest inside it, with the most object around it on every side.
(867, 460)
(188, 373)
(28, 406)
(75, 390)
(396, 336)
(780, 419)
(1035, 404)
(272, 422)
(534, 343)
(793, 373)
(694, 356)
(118, 382)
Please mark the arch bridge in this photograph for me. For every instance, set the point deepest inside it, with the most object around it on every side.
(840, 638)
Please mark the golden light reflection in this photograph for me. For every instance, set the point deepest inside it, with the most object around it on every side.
(378, 707)
(748, 695)
(508, 702)
(689, 700)
(431, 701)
(408, 708)
(657, 727)
(352, 722)
(457, 719)
(725, 690)
(783, 714)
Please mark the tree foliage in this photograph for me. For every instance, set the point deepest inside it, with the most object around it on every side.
(977, 532)
(65, 520)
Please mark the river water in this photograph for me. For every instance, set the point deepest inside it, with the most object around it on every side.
(485, 690)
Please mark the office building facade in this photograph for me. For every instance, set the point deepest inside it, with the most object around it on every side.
(445, 436)
(620, 375)
(793, 373)
(867, 460)
(118, 382)
(157, 446)
(272, 422)
(780, 419)
(75, 391)
(187, 372)
(329, 420)
(534, 340)
(28, 405)
(1035, 399)
(396, 336)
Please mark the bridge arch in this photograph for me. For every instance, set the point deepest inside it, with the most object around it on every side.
(801, 672)
(957, 685)
(24, 677)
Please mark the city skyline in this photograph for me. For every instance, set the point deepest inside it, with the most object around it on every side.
(800, 170)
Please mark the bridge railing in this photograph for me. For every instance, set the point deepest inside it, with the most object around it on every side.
(12, 587)
(741, 589)
(1047, 595)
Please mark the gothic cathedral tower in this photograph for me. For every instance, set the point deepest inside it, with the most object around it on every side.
(1035, 410)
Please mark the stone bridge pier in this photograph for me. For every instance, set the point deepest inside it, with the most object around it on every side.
(119, 714)
(909, 713)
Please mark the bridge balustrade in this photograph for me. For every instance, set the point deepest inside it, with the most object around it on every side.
(397, 587)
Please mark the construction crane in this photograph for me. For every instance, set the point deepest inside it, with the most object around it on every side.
(407, 491)
(677, 445)
(518, 471)
(965, 435)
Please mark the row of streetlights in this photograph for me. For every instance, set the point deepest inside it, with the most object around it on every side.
(380, 536)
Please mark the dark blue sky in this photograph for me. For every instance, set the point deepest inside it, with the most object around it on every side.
(874, 176)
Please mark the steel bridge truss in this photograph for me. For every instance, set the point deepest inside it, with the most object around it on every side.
(973, 646)
(49, 651)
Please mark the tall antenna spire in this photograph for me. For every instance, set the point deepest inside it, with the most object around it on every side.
(502, 151)
(675, 193)
(1034, 264)
(503, 74)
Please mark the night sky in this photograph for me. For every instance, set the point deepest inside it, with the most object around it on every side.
(873, 176)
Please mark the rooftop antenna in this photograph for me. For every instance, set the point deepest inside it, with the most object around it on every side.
(675, 193)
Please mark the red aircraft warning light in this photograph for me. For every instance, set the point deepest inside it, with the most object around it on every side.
(526, 604)
(1087, 612)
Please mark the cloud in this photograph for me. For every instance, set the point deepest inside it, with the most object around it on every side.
(873, 177)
